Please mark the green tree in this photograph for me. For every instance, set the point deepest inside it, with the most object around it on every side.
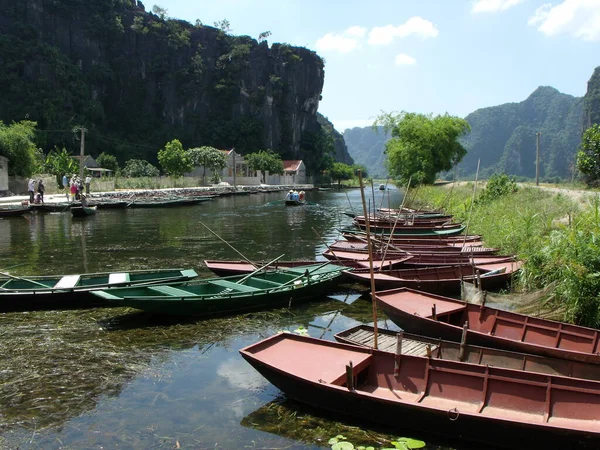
(422, 145)
(17, 144)
(209, 158)
(265, 161)
(588, 156)
(174, 159)
(139, 168)
(59, 163)
(108, 161)
(363, 170)
(340, 171)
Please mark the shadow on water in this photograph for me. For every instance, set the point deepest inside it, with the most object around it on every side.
(298, 422)
(116, 378)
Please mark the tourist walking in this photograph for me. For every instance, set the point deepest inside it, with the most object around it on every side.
(31, 189)
(73, 189)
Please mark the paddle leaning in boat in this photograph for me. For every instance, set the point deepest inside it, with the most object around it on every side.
(28, 293)
(455, 399)
(260, 289)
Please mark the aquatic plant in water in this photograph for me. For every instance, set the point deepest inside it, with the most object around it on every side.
(340, 442)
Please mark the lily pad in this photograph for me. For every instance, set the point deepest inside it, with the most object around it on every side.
(343, 446)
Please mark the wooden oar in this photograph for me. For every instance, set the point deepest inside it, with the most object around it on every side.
(259, 269)
(23, 279)
(305, 273)
(228, 244)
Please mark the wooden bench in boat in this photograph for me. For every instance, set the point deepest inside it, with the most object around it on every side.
(118, 278)
(172, 291)
(67, 282)
(234, 286)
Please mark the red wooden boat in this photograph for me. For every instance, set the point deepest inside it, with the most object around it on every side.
(472, 241)
(412, 248)
(420, 260)
(229, 267)
(441, 279)
(404, 220)
(446, 318)
(417, 345)
(450, 228)
(428, 238)
(456, 399)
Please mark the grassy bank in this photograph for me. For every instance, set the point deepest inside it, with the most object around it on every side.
(557, 236)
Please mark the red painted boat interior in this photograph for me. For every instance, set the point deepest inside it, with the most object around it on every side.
(450, 387)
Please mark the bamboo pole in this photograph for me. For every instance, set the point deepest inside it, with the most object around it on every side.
(472, 201)
(370, 247)
(228, 244)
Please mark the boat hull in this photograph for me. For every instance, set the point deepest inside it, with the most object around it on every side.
(38, 293)
(457, 400)
(207, 298)
(488, 327)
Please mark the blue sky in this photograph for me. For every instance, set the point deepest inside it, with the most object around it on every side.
(427, 56)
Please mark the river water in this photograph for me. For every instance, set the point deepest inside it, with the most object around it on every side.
(115, 378)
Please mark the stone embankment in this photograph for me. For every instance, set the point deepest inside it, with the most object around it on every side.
(212, 191)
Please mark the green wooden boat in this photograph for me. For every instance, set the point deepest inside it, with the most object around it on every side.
(44, 292)
(230, 295)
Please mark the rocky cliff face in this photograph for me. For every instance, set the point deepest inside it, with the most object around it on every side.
(137, 80)
(503, 138)
(341, 153)
(591, 101)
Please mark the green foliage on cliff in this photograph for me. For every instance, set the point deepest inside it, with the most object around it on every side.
(591, 100)
(422, 145)
(135, 79)
(16, 144)
(503, 137)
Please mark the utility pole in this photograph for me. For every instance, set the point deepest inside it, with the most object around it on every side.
(537, 158)
(234, 167)
(81, 152)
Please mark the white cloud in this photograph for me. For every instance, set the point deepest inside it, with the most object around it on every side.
(356, 31)
(415, 25)
(579, 18)
(343, 43)
(493, 6)
(405, 60)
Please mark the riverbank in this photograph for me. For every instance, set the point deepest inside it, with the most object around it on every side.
(555, 233)
(213, 191)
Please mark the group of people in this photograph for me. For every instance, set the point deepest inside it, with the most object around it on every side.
(36, 191)
(74, 186)
(295, 196)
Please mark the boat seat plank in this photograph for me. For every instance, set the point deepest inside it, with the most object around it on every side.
(234, 286)
(67, 282)
(118, 278)
(172, 291)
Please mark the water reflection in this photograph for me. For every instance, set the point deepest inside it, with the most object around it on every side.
(117, 378)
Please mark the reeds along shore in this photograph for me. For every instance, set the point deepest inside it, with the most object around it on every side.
(556, 235)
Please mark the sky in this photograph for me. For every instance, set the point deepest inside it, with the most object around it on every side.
(424, 56)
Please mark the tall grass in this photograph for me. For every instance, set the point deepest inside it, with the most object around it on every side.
(556, 236)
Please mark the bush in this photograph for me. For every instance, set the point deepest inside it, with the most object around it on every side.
(497, 186)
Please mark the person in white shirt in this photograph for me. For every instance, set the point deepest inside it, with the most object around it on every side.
(88, 180)
(31, 189)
